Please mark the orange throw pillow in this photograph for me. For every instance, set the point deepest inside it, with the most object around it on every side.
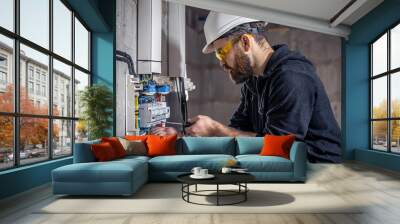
(116, 145)
(103, 152)
(161, 145)
(277, 145)
(136, 137)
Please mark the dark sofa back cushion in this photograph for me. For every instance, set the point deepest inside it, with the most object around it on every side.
(83, 153)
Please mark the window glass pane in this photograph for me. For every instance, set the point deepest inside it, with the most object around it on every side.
(33, 139)
(395, 95)
(35, 21)
(7, 14)
(34, 75)
(81, 81)
(379, 55)
(62, 89)
(395, 136)
(395, 47)
(379, 97)
(62, 29)
(81, 131)
(6, 74)
(379, 135)
(81, 45)
(6, 142)
(62, 138)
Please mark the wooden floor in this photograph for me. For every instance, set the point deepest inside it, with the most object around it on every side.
(378, 188)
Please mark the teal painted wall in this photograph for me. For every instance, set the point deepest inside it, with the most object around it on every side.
(380, 159)
(355, 80)
(103, 52)
(103, 64)
(99, 15)
(24, 178)
(102, 58)
(356, 103)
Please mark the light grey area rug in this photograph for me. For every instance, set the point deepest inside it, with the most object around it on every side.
(166, 198)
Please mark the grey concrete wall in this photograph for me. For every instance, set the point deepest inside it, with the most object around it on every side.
(126, 41)
(217, 96)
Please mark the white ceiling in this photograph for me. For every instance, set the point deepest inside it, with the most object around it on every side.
(314, 15)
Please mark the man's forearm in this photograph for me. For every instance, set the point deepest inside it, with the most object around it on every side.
(222, 130)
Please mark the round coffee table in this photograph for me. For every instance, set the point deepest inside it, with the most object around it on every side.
(238, 179)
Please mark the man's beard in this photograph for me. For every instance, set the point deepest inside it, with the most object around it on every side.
(243, 69)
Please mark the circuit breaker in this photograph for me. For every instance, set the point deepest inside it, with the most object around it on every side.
(152, 114)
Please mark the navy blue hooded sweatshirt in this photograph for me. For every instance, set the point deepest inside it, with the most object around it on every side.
(289, 98)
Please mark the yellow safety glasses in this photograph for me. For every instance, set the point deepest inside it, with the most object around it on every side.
(221, 53)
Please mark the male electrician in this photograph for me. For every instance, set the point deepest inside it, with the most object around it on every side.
(281, 92)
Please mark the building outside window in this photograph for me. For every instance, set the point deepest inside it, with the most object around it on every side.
(3, 71)
(3, 78)
(43, 90)
(43, 77)
(37, 75)
(3, 61)
(30, 87)
(30, 72)
(385, 91)
(58, 128)
(38, 89)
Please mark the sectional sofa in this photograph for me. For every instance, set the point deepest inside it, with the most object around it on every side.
(125, 176)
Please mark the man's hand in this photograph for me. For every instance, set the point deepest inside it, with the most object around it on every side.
(202, 126)
(162, 131)
(205, 126)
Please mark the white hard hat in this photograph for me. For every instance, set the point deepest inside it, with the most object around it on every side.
(217, 24)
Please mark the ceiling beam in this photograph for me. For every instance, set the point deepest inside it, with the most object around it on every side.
(346, 12)
(269, 15)
(91, 14)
